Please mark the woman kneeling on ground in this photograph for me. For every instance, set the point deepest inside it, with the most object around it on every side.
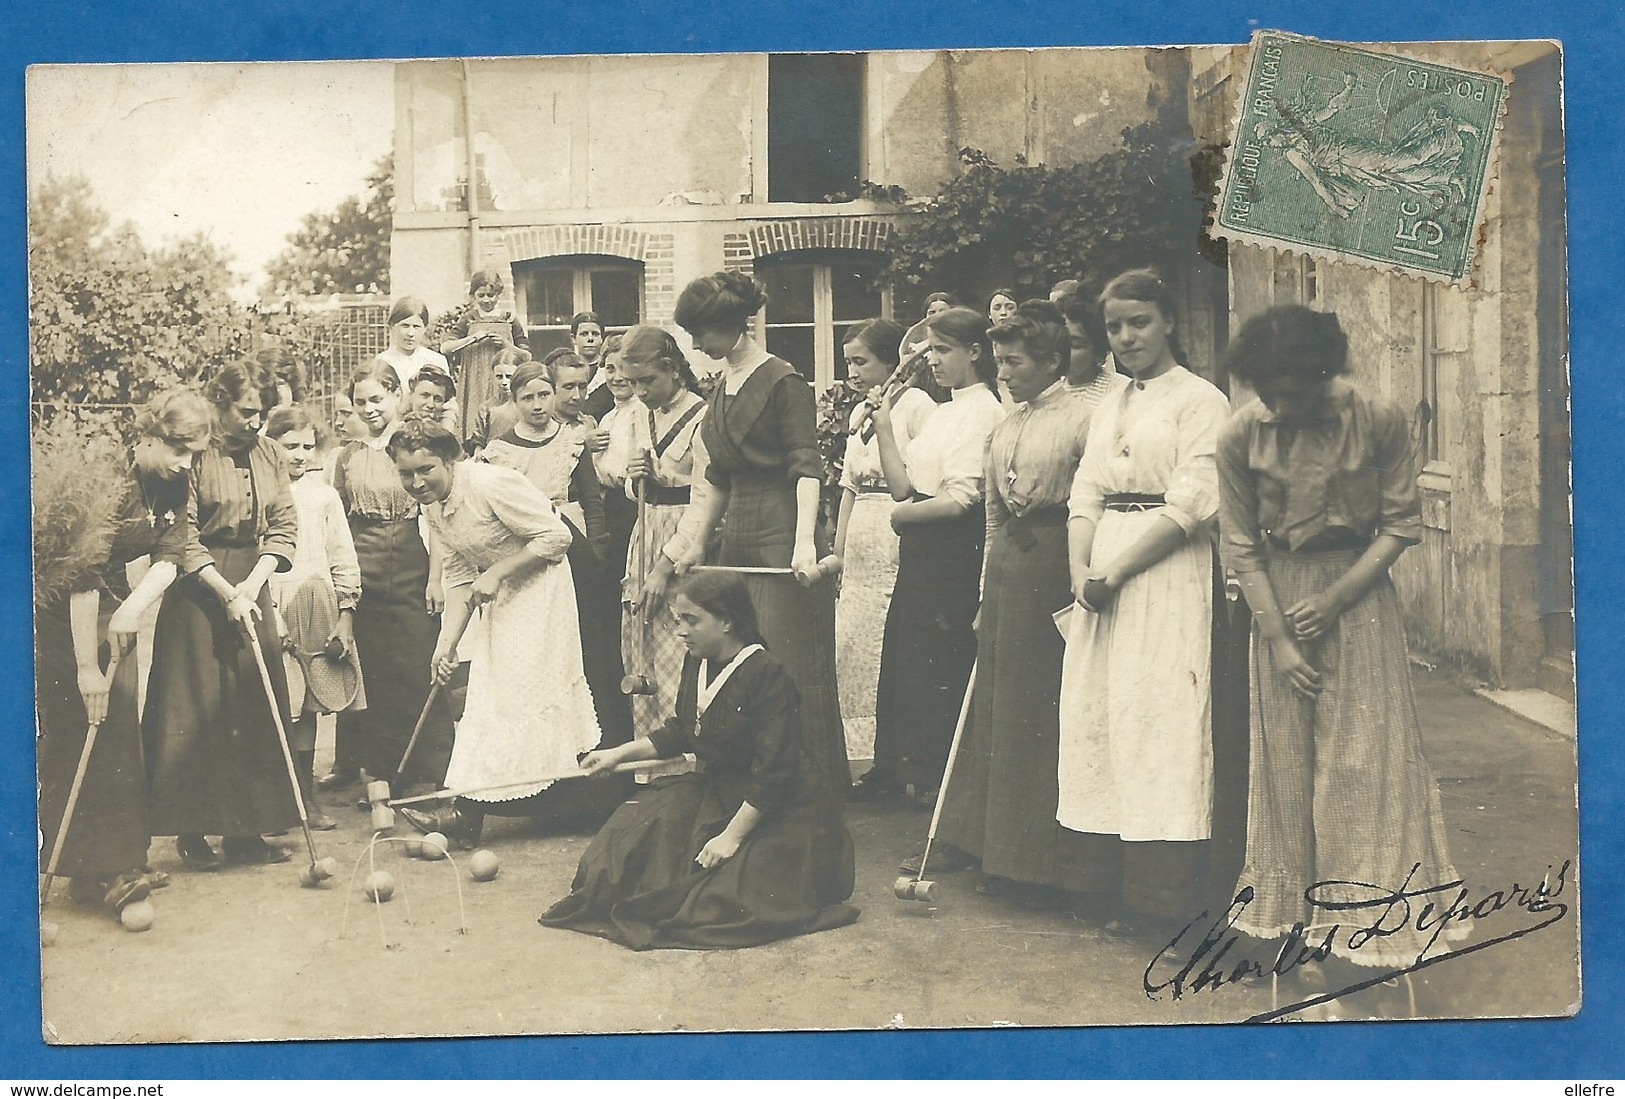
(743, 851)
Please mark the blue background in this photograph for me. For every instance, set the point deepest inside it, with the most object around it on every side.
(1593, 32)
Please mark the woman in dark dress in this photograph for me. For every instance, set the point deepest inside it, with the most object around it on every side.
(397, 620)
(745, 850)
(214, 757)
(106, 847)
(765, 475)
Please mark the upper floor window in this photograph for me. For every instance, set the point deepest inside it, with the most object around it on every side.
(814, 125)
(551, 291)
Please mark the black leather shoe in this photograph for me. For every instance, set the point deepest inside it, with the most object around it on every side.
(127, 888)
(876, 785)
(196, 854)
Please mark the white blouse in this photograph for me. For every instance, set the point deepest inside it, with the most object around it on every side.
(1155, 437)
(946, 457)
(492, 513)
(860, 467)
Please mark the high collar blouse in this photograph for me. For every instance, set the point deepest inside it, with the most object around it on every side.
(1034, 454)
(1155, 437)
(491, 514)
(948, 457)
(368, 484)
(1350, 470)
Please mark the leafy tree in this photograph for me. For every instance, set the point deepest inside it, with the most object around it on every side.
(112, 320)
(344, 251)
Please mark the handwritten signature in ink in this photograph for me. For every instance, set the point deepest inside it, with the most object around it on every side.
(1214, 960)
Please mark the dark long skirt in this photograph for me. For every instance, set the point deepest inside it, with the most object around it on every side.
(109, 833)
(1000, 804)
(395, 639)
(929, 646)
(598, 612)
(214, 757)
(638, 883)
(797, 623)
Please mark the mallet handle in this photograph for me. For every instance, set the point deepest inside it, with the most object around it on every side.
(428, 704)
(441, 795)
(828, 566)
(948, 771)
(78, 781)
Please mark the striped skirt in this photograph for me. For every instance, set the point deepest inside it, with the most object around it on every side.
(1340, 788)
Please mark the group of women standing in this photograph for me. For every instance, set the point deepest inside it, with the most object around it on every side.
(1057, 561)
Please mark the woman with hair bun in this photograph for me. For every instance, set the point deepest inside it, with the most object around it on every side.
(213, 752)
(105, 851)
(1318, 498)
(765, 479)
(1136, 760)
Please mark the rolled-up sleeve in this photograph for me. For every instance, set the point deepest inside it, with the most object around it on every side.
(796, 411)
(1241, 546)
(964, 464)
(1192, 494)
(1395, 455)
(195, 556)
(527, 513)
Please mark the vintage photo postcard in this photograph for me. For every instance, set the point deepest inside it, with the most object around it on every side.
(733, 542)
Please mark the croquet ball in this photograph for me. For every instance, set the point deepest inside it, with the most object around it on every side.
(326, 868)
(379, 886)
(412, 848)
(47, 933)
(433, 846)
(482, 865)
(137, 916)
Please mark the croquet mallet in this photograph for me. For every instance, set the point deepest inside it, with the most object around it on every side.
(919, 888)
(316, 871)
(61, 840)
(428, 704)
(638, 682)
(827, 566)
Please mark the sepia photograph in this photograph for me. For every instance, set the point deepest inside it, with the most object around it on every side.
(821, 541)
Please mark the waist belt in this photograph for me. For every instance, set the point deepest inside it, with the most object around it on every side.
(1325, 542)
(1134, 501)
(1020, 529)
(666, 495)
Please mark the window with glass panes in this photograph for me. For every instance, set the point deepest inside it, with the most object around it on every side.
(551, 291)
(812, 298)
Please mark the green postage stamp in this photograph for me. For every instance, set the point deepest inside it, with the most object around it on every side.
(1361, 156)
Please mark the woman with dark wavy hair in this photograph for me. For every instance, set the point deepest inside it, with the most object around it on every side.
(1318, 498)
(214, 759)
